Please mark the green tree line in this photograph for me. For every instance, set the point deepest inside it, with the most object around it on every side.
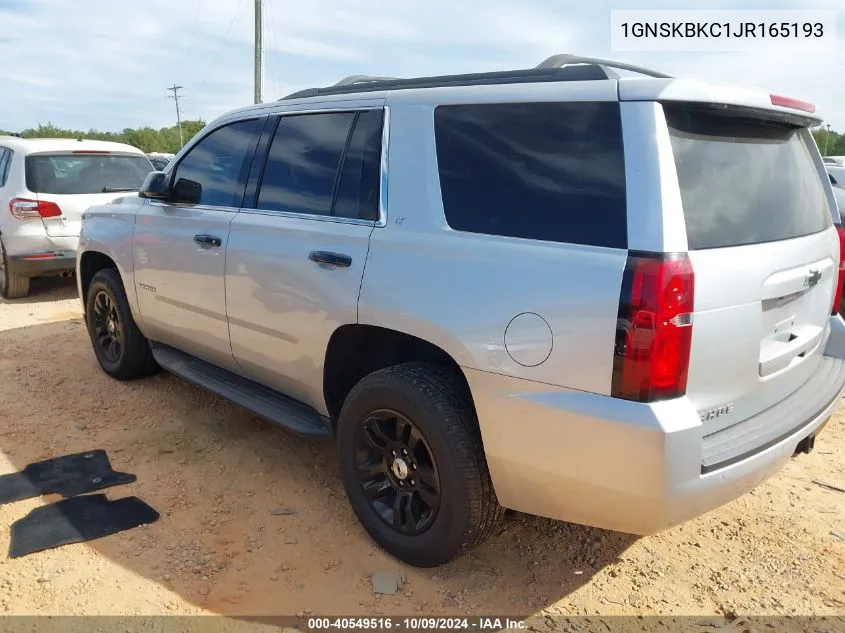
(146, 139)
(166, 139)
(830, 143)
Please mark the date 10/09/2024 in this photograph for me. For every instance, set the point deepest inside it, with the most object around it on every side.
(417, 623)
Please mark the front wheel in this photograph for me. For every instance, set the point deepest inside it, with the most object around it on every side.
(122, 351)
(413, 465)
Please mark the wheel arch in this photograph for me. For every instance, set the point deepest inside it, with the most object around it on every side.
(90, 262)
(356, 350)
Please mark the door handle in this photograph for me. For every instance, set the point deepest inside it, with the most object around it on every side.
(333, 259)
(207, 240)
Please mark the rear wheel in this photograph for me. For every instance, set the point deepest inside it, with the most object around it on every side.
(12, 286)
(122, 351)
(413, 465)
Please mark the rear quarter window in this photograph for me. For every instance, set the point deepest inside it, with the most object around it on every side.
(5, 163)
(543, 171)
(744, 180)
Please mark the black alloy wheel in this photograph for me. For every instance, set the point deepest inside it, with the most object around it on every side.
(108, 329)
(397, 472)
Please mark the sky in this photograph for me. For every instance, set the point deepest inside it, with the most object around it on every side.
(106, 64)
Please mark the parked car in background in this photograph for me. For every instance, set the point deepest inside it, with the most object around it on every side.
(834, 160)
(837, 173)
(45, 185)
(490, 299)
(160, 160)
(839, 195)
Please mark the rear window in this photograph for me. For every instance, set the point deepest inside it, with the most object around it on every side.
(70, 174)
(744, 180)
(543, 171)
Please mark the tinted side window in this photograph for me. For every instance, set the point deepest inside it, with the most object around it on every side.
(545, 171)
(214, 171)
(303, 162)
(359, 182)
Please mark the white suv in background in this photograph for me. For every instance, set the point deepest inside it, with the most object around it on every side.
(45, 185)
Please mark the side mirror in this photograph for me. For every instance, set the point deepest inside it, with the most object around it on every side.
(186, 192)
(155, 186)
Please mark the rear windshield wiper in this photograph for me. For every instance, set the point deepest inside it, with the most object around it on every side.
(118, 189)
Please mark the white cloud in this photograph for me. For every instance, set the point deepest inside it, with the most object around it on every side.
(106, 64)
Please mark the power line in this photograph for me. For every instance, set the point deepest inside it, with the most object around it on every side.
(176, 96)
(223, 42)
(193, 34)
(273, 45)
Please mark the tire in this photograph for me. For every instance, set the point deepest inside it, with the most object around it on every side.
(443, 422)
(12, 286)
(106, 301)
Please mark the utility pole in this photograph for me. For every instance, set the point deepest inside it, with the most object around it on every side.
(826, 139)
(175, 90)
(259, 53)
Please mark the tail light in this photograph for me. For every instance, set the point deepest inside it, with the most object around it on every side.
(840, 279)
(654, 327)
(24, 209)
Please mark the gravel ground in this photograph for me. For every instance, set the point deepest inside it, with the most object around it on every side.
(216, 474)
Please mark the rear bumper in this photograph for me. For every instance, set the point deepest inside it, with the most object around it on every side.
(626, 466)
(36, 264)
(24, 237)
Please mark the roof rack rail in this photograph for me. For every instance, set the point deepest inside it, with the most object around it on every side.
(565, 59)
(555, 68)
(360, 79)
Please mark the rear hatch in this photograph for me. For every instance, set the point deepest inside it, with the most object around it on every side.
(75, 181)
(764, 254)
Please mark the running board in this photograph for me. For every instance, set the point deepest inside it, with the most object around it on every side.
(266, 403)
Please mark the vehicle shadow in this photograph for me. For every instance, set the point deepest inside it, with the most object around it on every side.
(216, 474)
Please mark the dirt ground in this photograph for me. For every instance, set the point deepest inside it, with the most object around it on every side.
(215, 473)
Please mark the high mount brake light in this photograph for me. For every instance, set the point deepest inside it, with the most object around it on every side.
(795, 104)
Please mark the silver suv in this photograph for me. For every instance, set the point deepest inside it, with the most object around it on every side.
(602, 299)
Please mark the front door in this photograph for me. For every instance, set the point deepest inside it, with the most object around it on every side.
(180, 245)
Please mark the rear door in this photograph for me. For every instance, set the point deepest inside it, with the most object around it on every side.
(296, 258)
(764, 254)
(78, 180)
